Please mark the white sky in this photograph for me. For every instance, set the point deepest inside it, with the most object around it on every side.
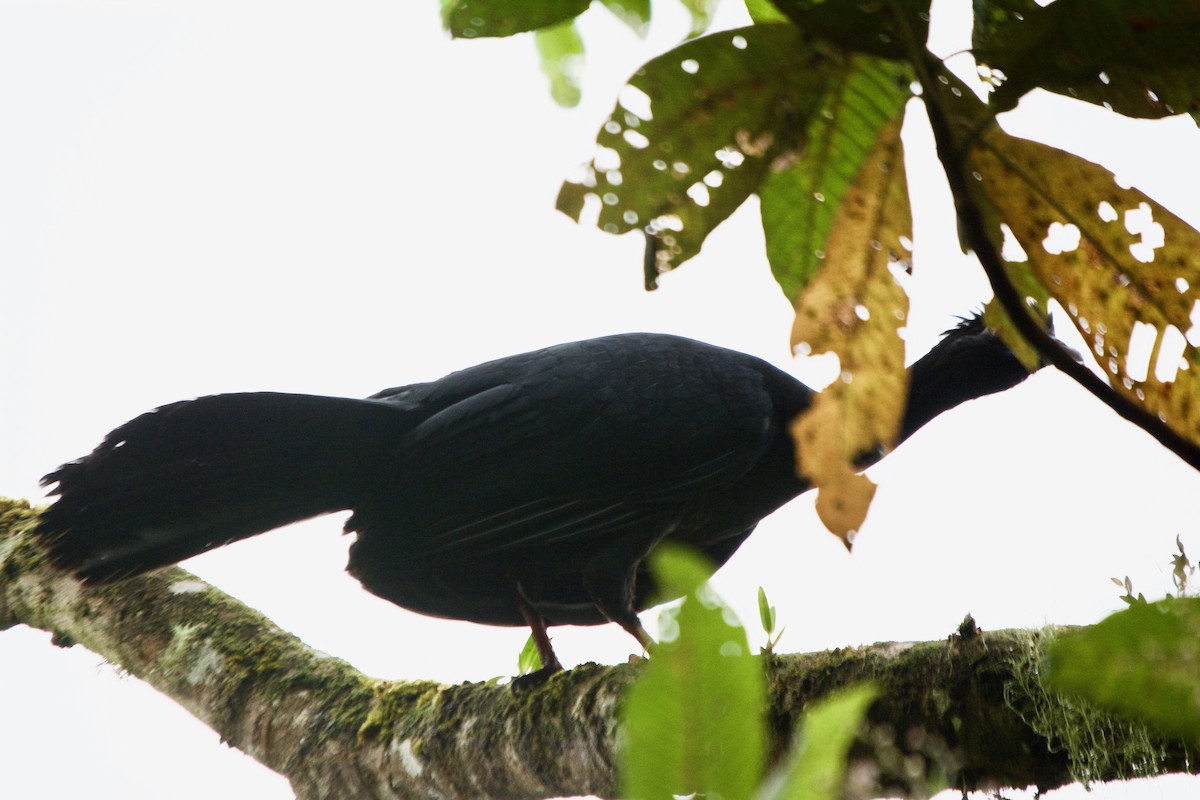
(202, 196)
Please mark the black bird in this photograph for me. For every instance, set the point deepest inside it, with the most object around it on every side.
(527, 490)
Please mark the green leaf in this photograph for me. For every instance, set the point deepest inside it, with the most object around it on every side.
(766, 613)
(634, 13)
(874, 27)
(561, 51)
(764, 12)
(854, 307)
(476, 19)
(695, 132)
(679, 572)
(1182, 568)
(817, 766)
(998, 320)
(1143, 662)
(530, 660)
(701, 11)
(694, 720)
(1138, 57)
(991, 15)
(801, 202)
(1125, 269)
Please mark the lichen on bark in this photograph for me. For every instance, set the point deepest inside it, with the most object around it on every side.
(970, 707)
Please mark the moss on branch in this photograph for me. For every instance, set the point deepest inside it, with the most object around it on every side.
(969, 709)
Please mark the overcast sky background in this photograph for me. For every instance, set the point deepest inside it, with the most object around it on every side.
(198, 197)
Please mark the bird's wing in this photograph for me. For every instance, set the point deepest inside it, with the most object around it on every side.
(567, 450)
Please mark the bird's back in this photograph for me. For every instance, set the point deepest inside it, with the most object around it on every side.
(526, 468)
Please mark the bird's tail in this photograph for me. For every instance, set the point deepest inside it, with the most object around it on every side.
(194, 475)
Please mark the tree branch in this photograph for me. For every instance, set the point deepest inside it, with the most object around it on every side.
(970, 706)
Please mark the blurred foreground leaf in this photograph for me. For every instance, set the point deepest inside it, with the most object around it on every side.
(1143, 662)
(561, 50)
(817, 768)
(634, 13)
(693, 721)
(701, 11)
(477, 19)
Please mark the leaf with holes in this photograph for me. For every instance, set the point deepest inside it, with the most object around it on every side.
(694, 133)
(694, 719)
(800, 202)
(1125, 269)
(477, 19)
(992, 15)
(1138, 57)
(1143, 662)
(844, 495)
(874, 27)
(853, 307)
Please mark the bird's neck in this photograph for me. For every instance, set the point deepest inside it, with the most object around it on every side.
(960, 368)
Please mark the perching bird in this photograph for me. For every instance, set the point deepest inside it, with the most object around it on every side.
(527, 490)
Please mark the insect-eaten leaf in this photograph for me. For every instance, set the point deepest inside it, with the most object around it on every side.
(694, 722)
(693, 135)
(1126, 270)
(878, 28)
(800, 202)
(1143, 663)
(854, 307)
(1137, 57)
(844, 496)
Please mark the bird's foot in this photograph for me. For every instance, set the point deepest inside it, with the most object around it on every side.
(534, 680)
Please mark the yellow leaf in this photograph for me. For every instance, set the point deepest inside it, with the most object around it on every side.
(1126, 270)
(853, 307)
(844, 495)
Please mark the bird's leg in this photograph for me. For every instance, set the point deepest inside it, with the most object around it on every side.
(634, 626)
(541, 638)
(611, 586)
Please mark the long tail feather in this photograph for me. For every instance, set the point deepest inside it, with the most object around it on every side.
(195, 475)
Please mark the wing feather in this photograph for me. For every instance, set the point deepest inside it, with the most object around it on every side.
(572, 443)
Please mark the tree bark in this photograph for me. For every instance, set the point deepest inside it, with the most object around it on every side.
(966, 712)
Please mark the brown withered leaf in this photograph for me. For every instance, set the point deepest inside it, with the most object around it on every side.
(853, 308)
(1126, 269)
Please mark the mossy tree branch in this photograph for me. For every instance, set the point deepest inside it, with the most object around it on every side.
(969, 705)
